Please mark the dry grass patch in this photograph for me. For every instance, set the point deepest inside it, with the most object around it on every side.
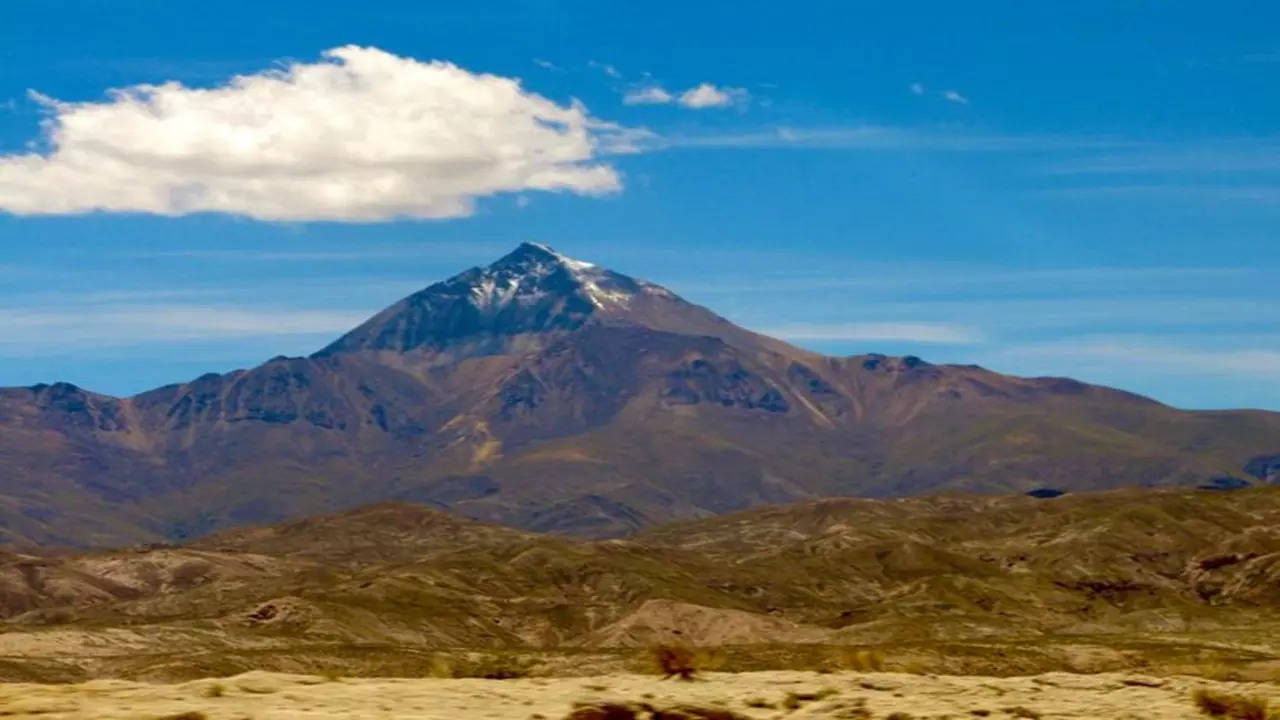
(861, 660)
(485, 666)
(689, 712)
(794, 700)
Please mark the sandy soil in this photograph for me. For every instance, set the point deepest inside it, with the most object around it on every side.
(276, 696)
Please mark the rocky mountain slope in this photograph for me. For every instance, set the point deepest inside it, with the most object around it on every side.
(549, 394)
(992, 584)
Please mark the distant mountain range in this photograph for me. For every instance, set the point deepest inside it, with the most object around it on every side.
(549, 394)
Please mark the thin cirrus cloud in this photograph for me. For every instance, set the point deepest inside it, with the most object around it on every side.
(360, 135)
(605, 68)
(1266, 194)
(28, 330)
(699, 97)
(921, 332)
(1172, 358)
(883, 137)
(953, 96)
(1255, 155)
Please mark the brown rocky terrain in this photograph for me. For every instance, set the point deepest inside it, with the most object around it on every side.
(1168, 581)
(547, 394)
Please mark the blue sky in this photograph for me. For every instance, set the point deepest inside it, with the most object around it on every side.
(1088, 189)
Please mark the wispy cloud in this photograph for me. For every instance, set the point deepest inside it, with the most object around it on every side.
(948, 279)
(547, 65)
(605, 68)
(648, 95)
(699, 97)
(1160, 356)
(1244, 193)
(921, 332)
(477, 249)
(1238, 155)
(955, 97)
(916, 88)
(27, 330)
(885, 137)
(1263, 58)
(1239, 169)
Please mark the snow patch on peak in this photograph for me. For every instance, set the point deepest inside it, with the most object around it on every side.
(571, 263)
(576, 264)
(534, 271)
(596, 282)
(651, 289)
(600, 296)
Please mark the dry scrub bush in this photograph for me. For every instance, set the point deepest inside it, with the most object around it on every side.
(632, 711)
(682, 661)
(1235, 707)
(605, 711)
(215, 690)
(1218, 671)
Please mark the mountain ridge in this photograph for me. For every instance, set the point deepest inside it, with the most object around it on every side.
(1167, 580)
(550, 394)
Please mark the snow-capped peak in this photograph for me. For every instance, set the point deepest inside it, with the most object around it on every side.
(532, 289)
(532, 270)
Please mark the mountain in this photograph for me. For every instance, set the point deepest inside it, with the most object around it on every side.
(1167, 580)
(548, 394)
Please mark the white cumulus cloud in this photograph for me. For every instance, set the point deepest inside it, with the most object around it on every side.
(648, 95)
(359, 135)
(707, 95)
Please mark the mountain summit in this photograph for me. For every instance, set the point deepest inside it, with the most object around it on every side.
(520, 302)
(533, 289)
(548, 393)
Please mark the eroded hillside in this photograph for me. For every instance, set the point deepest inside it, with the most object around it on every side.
(1169, 578)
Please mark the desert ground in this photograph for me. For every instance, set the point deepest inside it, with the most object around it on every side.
(756, 695)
